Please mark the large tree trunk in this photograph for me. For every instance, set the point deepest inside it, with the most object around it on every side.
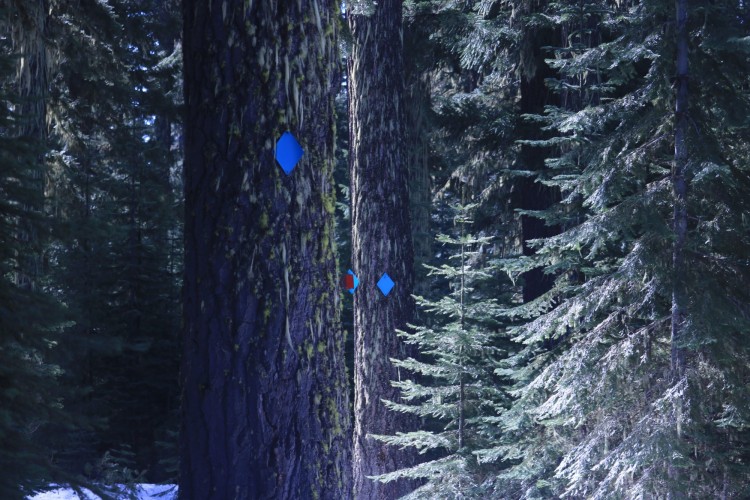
(265, 410)
(381, 240)
(680, 187)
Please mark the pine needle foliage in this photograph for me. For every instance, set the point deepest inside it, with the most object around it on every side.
(114, 100)
(468, 52)
(597, 413)
(30, 320)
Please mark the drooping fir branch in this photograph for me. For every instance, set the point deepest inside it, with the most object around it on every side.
(596, 414)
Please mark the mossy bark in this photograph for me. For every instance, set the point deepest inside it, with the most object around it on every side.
(381, 241)
(264, 414)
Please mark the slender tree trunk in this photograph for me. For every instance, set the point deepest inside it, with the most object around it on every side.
(417, 157)
(418, 78)
(265, 411)
(29, 42)
(462, 383)
(381, 241)
(680, 187)
(528, 194)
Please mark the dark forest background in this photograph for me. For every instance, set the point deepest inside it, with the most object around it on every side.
(581, 249)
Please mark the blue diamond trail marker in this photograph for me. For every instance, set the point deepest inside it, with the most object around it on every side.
(385, 284)
(288, 152)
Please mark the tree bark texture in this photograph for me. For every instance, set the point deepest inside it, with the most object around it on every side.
(381, 241)
(680, 188)
(28, 37)
(265, 411)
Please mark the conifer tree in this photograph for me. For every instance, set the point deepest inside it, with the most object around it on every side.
(455, 385)
(29, 318)
(108, 194)
(597, 412)
(112, 197)
(142, 380)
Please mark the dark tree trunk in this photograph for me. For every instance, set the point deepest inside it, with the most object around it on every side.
(167, 13)
(265, 408)
(417, 156)
(381, 241)
(32, 81)
(28, 41)
(528, 194)
(680, 187)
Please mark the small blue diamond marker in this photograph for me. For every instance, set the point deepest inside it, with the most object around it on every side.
(385, 284)
(288, 152)
(355, 281)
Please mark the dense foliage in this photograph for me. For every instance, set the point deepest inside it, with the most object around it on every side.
(541, 141)
(118, 255)
(598, 411)
(30, 320)
(91, 252)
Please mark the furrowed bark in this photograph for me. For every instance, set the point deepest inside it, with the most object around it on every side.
(265, 410)
(381, 241)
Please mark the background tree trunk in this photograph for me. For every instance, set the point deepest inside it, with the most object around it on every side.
(527, 193)
(381, 241)
(680, 187)
(32, 82)
(417, 155)
(265, 408)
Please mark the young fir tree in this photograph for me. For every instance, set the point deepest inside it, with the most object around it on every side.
(453, 385)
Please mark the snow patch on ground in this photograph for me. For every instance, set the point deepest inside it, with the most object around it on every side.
(145, 492)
